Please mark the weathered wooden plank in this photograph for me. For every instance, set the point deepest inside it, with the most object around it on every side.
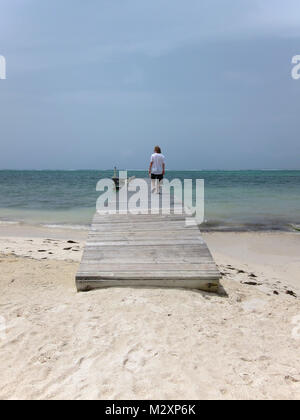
(164, 242)
(142, 236)
(88, 284)
(142, 275)
(102, 263)
(109, 255)
(143, 230)
(117, 266)
(150, 218)
(155, 226)
(171, 251)
(163, 253)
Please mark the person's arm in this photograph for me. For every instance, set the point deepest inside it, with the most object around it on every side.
(150, 168)
(164, 168)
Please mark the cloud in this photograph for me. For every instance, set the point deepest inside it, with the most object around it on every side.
(108, 28)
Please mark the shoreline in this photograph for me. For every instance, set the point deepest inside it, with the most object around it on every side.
(278, 252)
(21, 226)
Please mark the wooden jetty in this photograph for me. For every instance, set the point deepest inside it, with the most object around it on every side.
(152, 250)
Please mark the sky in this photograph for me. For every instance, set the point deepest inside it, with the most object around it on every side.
(97, 83)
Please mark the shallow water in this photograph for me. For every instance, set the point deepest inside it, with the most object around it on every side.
(234, 200)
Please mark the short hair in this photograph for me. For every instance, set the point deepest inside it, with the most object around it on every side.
(157, 149)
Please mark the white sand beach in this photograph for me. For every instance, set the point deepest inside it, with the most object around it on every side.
(149, 343)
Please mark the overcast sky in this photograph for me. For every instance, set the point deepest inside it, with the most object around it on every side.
(98, 83)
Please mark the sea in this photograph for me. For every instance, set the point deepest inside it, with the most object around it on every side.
(254, 200)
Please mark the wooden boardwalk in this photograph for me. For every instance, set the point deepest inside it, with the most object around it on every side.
(146, 250)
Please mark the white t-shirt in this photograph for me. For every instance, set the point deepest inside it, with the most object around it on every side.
(158, 160)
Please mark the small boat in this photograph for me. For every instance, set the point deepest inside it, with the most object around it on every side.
(120, 182)
(116, 179)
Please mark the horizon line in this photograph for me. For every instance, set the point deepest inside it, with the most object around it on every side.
(146, 170)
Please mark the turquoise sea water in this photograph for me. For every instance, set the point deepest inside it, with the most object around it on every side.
(234, 200)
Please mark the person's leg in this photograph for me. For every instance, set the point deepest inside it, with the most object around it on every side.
(160, 182)
(157, 185)
(153, 182)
